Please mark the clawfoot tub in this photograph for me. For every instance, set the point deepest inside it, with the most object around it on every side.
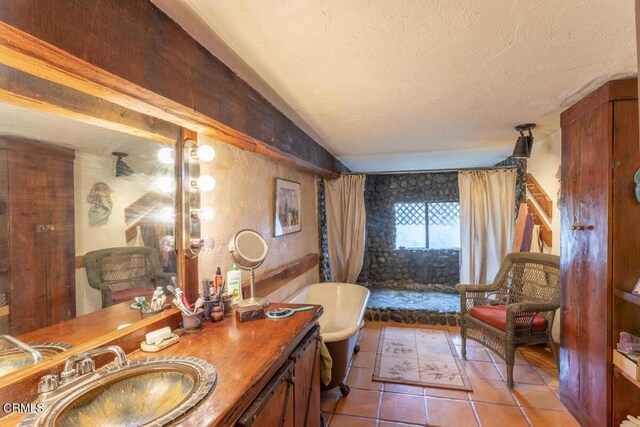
(344, 306)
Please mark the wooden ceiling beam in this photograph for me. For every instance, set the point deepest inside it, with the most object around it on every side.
(28, 91)
(176, 81)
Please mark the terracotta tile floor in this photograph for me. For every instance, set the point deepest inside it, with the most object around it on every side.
(533, 402)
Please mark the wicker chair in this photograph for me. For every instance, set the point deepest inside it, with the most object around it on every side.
(124, 272)
(517, 309)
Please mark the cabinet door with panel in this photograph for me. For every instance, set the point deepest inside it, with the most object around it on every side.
(586, 292)
(40, 234)
(274, 405)
(599, 244)
(307, 381)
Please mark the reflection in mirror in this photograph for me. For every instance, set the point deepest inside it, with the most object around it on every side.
(83, 212)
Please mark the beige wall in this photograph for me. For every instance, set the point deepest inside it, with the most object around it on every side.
(543, 165)
(89, 169)
(244, 198)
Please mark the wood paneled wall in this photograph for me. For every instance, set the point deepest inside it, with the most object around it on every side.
(135, 41)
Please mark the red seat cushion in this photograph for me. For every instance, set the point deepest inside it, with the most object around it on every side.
(130, 294)
(496, 316)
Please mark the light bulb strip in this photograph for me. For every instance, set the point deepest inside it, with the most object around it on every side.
(193, 213)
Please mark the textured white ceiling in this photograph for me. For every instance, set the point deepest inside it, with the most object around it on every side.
(415, 84)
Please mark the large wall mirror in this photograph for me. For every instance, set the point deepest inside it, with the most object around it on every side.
(87, 224)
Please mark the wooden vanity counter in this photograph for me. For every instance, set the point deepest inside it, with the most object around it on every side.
(246, 356)
(86, 327)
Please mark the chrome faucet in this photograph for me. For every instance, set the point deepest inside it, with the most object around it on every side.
(86, 364)
(35, 354)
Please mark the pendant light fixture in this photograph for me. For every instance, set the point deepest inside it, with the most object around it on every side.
(524, 144)
(122, 169)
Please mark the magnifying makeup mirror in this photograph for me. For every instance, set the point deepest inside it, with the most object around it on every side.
(249, 250)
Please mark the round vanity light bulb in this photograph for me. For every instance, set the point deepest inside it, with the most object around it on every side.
(206, 153)
(165, 155)
(206, 213)
(168, 214)
(206, 183)
(207, 244)
(165, 184)
(168, 243)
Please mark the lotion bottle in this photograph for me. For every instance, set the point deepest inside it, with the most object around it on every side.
(234, 284)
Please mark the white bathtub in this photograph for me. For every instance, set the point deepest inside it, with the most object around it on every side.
(344, 306)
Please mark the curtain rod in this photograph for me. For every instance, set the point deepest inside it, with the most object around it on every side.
(430, 171)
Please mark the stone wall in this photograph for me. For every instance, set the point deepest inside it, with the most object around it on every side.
(424, 317)
(383, 264)
(323, 250)
(521, 178)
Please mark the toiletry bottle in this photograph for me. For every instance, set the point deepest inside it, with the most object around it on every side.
(234, 284)
(219, 280)
(212, 289)
(206, 288)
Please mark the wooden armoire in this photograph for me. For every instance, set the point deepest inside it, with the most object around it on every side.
(37, 243)
(600, 244)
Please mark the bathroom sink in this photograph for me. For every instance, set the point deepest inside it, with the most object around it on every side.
(14, 359)
(148, 392)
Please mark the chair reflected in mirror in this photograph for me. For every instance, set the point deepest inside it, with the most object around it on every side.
(123, 273)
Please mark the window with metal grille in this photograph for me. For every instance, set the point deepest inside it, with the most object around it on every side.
(410, 222)
(427, 225)
(444, 225)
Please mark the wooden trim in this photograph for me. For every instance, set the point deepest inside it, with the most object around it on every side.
(614, 90)
(34, 56)
(540, 196)
(28, 91)
(142, 206)
(79, 261)
(18, 143)
(276, 278)
(545, 231)
(627, 367)
(627, 296)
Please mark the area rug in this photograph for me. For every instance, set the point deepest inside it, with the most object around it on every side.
(425, 357)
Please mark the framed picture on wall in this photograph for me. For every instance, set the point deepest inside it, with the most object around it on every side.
(287, 207)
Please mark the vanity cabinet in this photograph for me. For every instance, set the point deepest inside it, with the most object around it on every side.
(274, 404)
(38, 248)
(599, 246)
(292, 396)
(307, 381)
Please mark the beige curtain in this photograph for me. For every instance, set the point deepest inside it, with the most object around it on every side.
(487, 217)
(346, 220)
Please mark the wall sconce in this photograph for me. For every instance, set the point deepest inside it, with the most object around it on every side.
(524, 144)
(122, 169)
